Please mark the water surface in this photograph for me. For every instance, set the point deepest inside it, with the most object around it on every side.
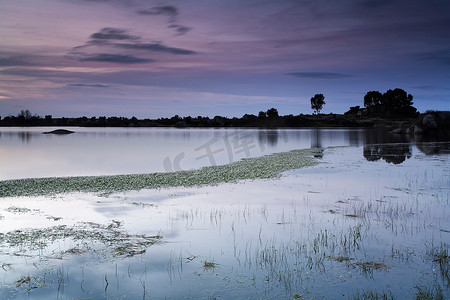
(26, 152)
(371, 217)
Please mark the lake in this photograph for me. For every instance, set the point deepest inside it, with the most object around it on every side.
(26, 152)
(370, 219)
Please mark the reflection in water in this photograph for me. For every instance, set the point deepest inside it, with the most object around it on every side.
(354, 138)
(394, 153)
(271, 137)
(24, 136)
(26, 152)
(434, 148)
(316, 143)
(316, 140)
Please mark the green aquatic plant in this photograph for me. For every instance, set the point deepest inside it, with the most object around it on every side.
(265, 167)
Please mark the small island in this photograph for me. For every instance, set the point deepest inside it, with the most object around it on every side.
(59, 131)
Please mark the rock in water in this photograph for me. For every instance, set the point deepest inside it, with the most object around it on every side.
(59, 131)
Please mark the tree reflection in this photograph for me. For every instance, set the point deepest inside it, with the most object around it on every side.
(316, 143)
(268, 137)
(395, 154)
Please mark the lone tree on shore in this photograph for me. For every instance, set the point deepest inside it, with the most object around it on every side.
(317, 102)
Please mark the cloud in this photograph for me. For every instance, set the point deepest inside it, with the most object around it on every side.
(180, 29)
(97, 85)
(167, 10)
(319, 75)
(172, 13)
(109, 33)
(115, 58)
(13, 60)
(120, 38)
(155, 47)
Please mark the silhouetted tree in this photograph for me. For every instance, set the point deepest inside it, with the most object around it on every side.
(398, 102)
(262, 114)
(175, 119)
(25, 114)
(372, 99)
(392, 103)
(317, 102)
(272, 113)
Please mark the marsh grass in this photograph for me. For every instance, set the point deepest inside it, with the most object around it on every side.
(440, 256)
(429, 294)
(265, 167)
(372, 295)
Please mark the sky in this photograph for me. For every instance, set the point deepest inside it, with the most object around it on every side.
(156, 58)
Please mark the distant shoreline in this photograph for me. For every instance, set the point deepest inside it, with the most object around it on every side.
(252, 121)
(431, 123)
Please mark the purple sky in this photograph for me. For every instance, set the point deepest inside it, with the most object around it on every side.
(148, 58)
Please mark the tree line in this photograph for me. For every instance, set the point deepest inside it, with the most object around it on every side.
(392, 104)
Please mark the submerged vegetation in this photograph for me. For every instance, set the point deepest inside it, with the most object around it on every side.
(86, 236)
(269, 166)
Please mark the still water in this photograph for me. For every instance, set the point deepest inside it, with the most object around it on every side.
(370, 219)
(26, 152)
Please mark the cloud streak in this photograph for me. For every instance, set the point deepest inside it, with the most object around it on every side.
(10, 60)
(97, 85)
(180, 29)
(120, 38)
(166, 10)
(155, 47)
(441, 57)
(115, 58)
(169, 11)
(109, 33)
(319, 75)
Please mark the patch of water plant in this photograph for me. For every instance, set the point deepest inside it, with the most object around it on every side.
(86, 237)
(265, 167)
